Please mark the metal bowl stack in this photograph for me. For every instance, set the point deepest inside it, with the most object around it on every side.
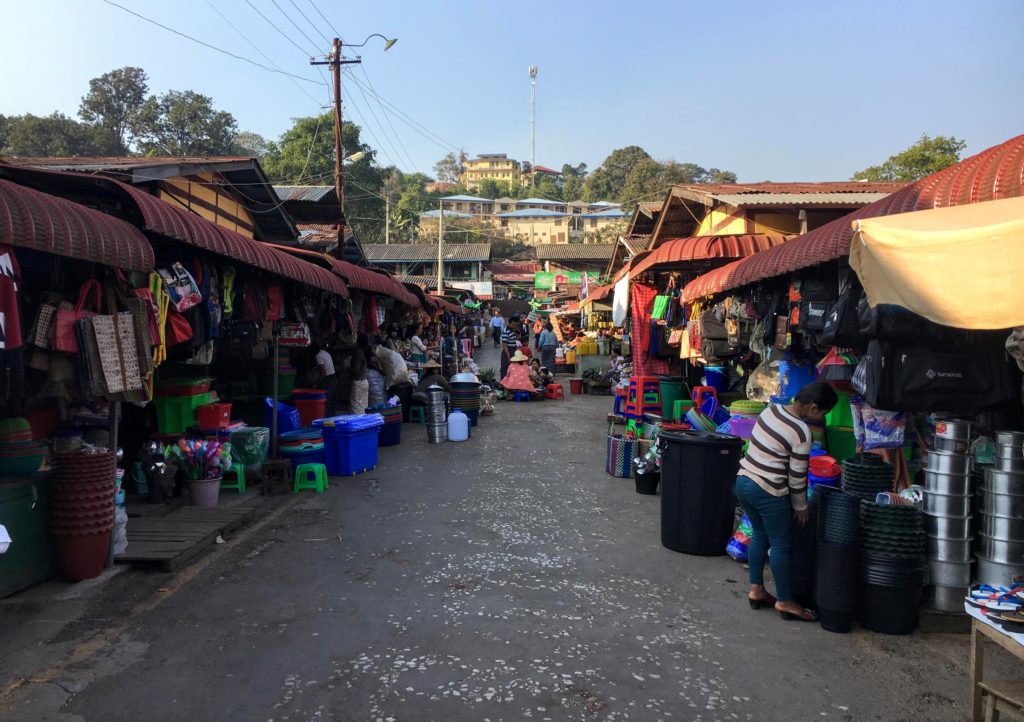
(947, 498)
(1000, 548)
(437, 423)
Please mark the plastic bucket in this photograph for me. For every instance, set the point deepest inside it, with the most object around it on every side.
(390, 435)
(204, 492)
(673, 389)
(576, 386)
(717, 377)
(647, 483)
(310, 409)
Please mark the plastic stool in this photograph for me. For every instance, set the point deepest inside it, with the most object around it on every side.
(239, 481)
(522, 396)
(417, 414)
(554, 391)
(275, 476)
(310, 476)
(618, 405)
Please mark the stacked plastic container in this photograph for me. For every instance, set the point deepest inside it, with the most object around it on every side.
(391, 431)
(177, 401)
(947, 499)
(302, 446)
(350, 442)
(1000, 541)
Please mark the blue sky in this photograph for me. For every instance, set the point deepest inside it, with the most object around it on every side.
(773, 91)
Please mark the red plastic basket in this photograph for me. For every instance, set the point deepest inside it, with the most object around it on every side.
(213, 416)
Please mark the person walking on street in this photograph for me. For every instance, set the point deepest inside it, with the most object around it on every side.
(547, 342)
(497, 326)
(509, 342)
(326, 379)
(772, 489)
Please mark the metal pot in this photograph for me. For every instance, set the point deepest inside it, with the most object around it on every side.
(949, 550)
(953, 435)
(996, 573)
(951, 484)
(948, 463)
(1011, 440)
(465, 377)
(947, 599)
(1003, 551)
(946, 505)
(950, 574)
(1011, 505)
(437, 434)
(999, 481)
(1001, 527)
(949, 527)
(1013, 466)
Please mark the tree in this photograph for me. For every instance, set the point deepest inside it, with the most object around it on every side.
(449, 168)
(253, 145)
(547, 187)
(606, 182)
(54, 135)
(573, 177)
(926, 156)
(183, 123)
(113, 102)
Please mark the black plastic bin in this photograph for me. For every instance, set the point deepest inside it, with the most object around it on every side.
(698, 491)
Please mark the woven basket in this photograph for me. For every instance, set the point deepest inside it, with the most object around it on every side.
(621, 452)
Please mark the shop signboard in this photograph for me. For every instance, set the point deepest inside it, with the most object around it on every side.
(548, 280)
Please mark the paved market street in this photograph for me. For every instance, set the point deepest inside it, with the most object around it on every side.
(505, 578)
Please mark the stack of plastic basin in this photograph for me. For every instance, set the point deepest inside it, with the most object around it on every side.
(838, 559)
(465, 396)
(302, 446)
(82, 511)
(310, 403)
(350, 442)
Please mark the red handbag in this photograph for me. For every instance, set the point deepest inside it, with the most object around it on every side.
(64, 339)
(275, 303)
(178, 329)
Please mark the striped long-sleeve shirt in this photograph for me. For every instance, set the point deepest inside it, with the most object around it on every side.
(776, 459)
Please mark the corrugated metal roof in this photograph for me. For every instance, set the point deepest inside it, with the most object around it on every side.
(533, 213)
(680, 251)
(541, 201)
(127, 163)
(650, 207)
(605, 204)
(789, 188)
(303, 193)
(397, 252)
(574, 251)
(635, 244)
(611, 213)
(997, 172)
(807, 199)
(32, 219)
(470, 199)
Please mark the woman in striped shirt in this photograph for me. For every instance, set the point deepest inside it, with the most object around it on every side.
(772, 489)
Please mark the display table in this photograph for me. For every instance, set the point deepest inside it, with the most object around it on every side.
(992, 692)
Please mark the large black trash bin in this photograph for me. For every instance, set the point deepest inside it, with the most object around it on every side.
(698, 481)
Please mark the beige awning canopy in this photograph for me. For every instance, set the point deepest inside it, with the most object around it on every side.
(959, 266)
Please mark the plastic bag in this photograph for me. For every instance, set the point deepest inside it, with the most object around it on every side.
(249, 446)
(764, 382)
(120, 543)
(740, 541)
(882, 429)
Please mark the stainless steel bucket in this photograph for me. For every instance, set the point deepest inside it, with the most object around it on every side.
(1002, 551)
(1004, 482)
(950, 527)
(946, 599)
(946, 504)
(948, 463)
(953, 435)
(1002, 527)
(1011, 505)
(995, 573)
(952, 484)
(950, 574)
(949, 550)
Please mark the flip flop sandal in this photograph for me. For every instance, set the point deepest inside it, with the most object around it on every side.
(766, 601)
(806, 616)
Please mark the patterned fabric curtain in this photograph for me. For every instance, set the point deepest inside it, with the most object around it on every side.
(642, 303)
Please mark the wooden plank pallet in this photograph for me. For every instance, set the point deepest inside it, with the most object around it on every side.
(174, 539)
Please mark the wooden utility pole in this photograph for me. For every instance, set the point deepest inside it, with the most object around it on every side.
(335, 61)
(440, 246)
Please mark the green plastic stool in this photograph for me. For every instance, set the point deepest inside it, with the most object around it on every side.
(239, 481)
(310, 476)
(417, 414)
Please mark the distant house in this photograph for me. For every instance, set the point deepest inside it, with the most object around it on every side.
(490, 166)
(462, 261)
(583, 257)
(470, 205)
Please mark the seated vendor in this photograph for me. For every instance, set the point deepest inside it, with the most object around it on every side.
(431, 374)
(518, 376)
(540, 374)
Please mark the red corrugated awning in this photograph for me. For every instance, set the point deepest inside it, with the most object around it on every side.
(168, 220)
(990, 175)
(444, 304)
(598, 293)
(679, 251)
(36, 220)
(395, 288)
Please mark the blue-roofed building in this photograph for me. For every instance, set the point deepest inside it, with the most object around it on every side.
(471, 205)
(546, 204)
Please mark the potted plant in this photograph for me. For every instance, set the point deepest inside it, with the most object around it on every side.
(204, 464)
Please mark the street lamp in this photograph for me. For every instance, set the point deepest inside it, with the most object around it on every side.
(388, 42)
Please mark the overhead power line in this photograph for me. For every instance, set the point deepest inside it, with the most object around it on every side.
(244, 59)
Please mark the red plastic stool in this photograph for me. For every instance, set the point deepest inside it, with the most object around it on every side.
(701, 393)
(554, 391)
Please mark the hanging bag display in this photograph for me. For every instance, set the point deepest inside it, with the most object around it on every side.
(842, 324)
(181, 286)
(118, 350)
(42, 332)
(294, 334)
(65, 338)
(177, 330)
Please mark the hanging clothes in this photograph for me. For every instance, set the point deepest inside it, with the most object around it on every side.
(620, 300)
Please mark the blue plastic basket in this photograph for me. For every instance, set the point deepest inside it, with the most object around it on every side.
(287, 417)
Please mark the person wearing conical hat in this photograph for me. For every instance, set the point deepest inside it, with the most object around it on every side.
(517, 378)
